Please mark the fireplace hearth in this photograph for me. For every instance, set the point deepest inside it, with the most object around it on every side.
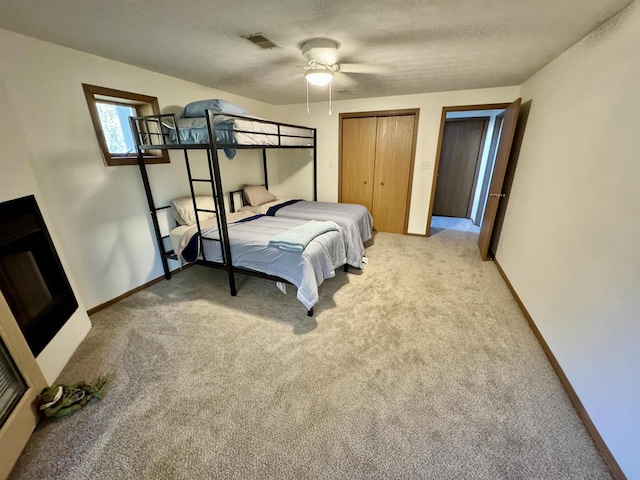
(31, 276)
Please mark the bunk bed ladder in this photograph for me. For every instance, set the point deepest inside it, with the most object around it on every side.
(153, 211)
(218, 200)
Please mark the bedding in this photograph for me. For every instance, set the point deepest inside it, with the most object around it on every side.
(297, 238)
(196, 131)
(354, 221)
(238, 131)
(249, 237)
(199, 108)
(257, 195)
(183, 212)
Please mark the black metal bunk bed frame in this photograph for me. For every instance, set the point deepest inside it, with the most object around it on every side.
(149, 134)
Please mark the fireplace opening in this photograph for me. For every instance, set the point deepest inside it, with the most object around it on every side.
(31, 276)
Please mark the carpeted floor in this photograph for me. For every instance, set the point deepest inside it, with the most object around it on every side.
(422, 366)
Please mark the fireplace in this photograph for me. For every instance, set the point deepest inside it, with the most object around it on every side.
(31, 276)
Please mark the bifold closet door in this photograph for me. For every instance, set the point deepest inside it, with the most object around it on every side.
(358, 160)
(394, 146)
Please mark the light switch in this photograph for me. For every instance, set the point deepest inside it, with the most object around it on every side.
(425, 165)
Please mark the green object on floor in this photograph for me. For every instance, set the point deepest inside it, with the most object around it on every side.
(61, 401)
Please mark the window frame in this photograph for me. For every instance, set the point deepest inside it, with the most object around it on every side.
(143, 104)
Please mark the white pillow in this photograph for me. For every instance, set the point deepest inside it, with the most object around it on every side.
(257, 195)
(182, 209)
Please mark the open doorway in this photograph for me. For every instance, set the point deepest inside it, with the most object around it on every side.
(467, 156)
(473, 151)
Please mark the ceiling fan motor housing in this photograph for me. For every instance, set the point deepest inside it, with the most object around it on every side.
(320, 50)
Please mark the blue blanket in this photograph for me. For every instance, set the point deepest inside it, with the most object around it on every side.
(297, 238)
(224, 134)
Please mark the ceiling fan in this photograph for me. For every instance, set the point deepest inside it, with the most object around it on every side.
(322, 57)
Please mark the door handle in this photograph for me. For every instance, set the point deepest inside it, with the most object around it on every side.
(365, 182)
(382, 184)
(497, 194)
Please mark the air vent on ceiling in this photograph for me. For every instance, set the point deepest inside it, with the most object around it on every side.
(260, 40)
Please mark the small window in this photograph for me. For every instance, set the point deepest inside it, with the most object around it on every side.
(110, 111)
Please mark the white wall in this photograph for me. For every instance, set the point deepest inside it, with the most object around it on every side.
(99, 213)
(430, 105)
(17, 180)
(570, 239)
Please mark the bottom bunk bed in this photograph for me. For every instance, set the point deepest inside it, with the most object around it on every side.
(354, 221)
(251, 239)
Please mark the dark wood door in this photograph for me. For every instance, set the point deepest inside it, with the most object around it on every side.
(462, 144)
(499, 171)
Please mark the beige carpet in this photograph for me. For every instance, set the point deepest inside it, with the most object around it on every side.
(420, 367)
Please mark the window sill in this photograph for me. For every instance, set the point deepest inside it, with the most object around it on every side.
(133, 160)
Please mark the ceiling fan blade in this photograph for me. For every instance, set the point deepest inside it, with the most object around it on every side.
(344, 81)
(363, 68)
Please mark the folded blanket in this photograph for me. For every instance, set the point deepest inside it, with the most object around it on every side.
(297, 238)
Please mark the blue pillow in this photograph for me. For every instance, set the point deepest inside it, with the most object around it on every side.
(197, 109)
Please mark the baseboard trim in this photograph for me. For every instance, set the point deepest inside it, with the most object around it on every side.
(108, 303)
(601, 446)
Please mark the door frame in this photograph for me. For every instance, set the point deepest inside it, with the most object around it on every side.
(384, 113)
(436, 165)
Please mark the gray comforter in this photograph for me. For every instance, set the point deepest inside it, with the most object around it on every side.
(250, 248)
(355, 222)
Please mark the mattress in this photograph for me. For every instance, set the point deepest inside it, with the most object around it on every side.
(237, 131)
(249, 237)
(354, 221)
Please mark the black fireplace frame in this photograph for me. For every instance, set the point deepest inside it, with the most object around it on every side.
(26, 210)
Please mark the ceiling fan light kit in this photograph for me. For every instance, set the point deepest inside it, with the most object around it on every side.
(322, 57)
(319, 76)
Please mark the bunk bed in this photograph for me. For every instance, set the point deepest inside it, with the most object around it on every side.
(218, 242)
(354, 221)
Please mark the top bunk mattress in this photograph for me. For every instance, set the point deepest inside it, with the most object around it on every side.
(236, 131)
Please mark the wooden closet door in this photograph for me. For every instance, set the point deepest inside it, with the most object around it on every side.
(358, 158)
(393, 160)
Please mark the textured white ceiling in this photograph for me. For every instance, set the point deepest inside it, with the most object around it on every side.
(420, 45)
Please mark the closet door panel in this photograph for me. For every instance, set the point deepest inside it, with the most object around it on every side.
(358, 157)
(394, 144)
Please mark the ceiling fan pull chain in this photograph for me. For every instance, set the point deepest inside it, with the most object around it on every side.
(330, 84)
(307, 97)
